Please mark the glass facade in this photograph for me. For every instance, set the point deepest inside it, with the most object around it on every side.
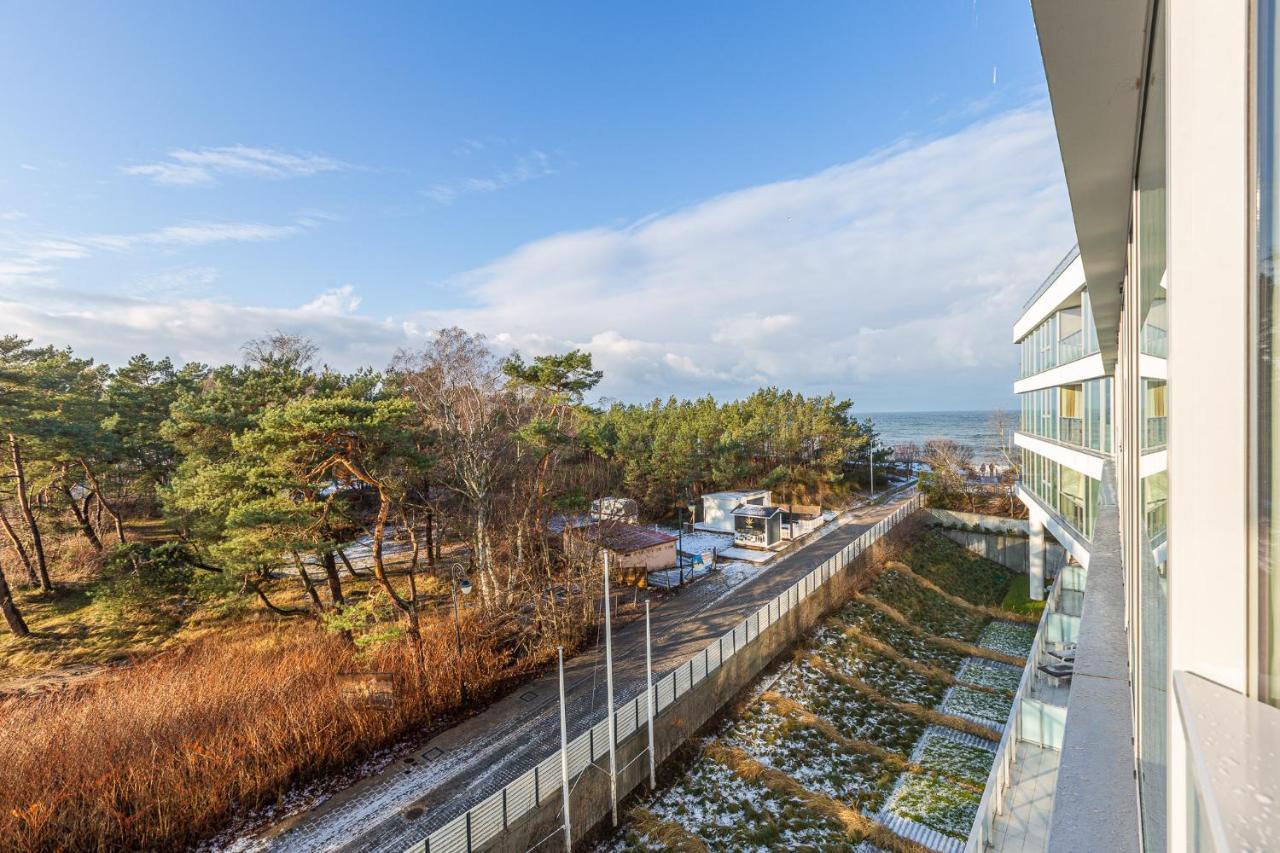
(1072, 495)
(1146, 518)
(1267, 332)
(1066, 335)
(1078, 414)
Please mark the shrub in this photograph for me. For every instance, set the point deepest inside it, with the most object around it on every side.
(158, 756)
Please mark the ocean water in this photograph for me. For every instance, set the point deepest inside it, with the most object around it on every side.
(971, 428)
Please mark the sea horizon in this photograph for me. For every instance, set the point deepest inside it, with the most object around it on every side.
(971, 427)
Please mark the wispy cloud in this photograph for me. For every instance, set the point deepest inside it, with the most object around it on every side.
(186, 167)
(527, 167)
(194, 234)
(893, 279)
(112, 327)
(31, 259)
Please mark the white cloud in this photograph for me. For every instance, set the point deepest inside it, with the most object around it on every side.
(335, 302)
(527, 167)
(111, 328)
(186, 166)
(26, 259)
(195, 234)
(893, 279)
(182, 282)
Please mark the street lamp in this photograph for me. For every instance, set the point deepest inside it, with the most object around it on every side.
(463, 585)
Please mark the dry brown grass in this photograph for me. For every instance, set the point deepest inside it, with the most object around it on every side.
(159, 755)
(929, 715)
(980, 609)
(668, 835)
(858, 826)
(911, 663)
(791, 708)
(945, 642)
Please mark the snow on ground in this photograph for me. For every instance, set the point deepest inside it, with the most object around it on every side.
(941, 802)
(692, 547)
(1010, 638)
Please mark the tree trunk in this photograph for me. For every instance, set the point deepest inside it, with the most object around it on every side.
(279, 611)
(82, 520)
(24, 505)
(314, 596)
(10, 610)
(32, 579)
(431, 537)
(102, 500)
(409, 607)
(335, 582)
(84, 510)
(342, 555)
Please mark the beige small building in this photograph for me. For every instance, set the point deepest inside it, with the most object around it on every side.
(634, 550)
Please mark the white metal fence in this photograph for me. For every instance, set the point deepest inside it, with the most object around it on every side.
(481, 823)
(992, 803)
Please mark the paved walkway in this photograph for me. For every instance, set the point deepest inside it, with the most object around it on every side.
(460, 767)
(1023, 827)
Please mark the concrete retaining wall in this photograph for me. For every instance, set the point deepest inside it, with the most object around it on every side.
(993, 523)
(1002, 540)
(1009, 551)
(589, 803)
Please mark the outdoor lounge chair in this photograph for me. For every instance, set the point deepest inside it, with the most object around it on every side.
(1058, 672)
(1064, 655)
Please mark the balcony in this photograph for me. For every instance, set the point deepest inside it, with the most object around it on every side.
(1018, 801)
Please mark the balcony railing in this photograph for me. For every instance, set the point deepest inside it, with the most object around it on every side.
(1071, 347)
(1073, 512)
(1071, 431)
(993, 803)
(1155, 432)
(1157, 520)
(1155, 341)
(1053, 276)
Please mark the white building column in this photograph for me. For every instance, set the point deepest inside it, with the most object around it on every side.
(1035, 558)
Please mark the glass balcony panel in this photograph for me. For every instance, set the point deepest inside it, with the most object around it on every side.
(1071, 431)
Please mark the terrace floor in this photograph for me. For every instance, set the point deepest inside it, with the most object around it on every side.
(1024, 825)
(1046, 691)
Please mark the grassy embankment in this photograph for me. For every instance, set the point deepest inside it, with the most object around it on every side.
(876, 714)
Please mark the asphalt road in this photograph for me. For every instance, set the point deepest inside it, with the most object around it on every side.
(460, 767)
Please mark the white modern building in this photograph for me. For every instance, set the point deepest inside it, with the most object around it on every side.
(1150, 430)
(718, 507)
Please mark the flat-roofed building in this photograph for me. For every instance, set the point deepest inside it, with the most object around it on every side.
(1149, 434)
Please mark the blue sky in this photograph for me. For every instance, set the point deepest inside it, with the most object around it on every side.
(832, 196)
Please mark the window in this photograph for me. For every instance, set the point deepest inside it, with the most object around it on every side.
(1071, 414)
(1267, 339)
(1070, 334)
(1155, 331)
(1155, 420)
